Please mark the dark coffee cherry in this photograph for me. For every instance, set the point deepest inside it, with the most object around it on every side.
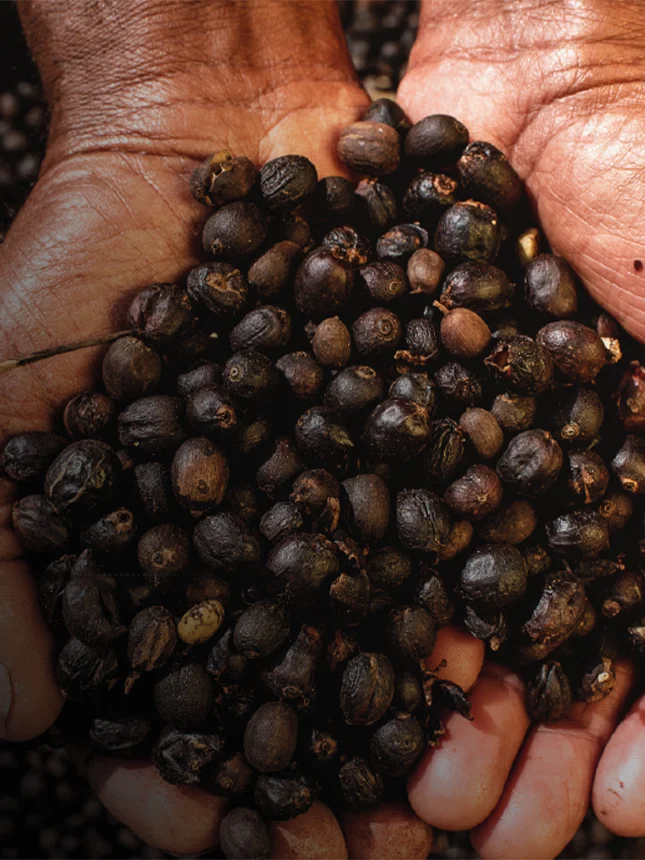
(199, 475)
(282, 519)
(629, 465)
(477, 286)
(436, 140)
(468, 231)
(514, 412)
(84, 475)
(120, 736)
(421, 342)
(425, 272)
(112, 532)
(261, 629)
(548, 694)
(224, 542)
(131, 369)
(281, 798)
(211, 410)
(354, 390)
(366, 507)
(231, 778)
(512, 524)
(244, 501)
(300, 565)
(360, 786)
(270, 737)
(152, 638)
(153, 491)
(183, 758)
(254, 436)
(459, 383)
(27, 457)
(39, 527)
(464, 333)
(323, 284)
(475, 495)
(184, 695)
(493, 577)
(369, 147)
(417, 387)
(423, 520)
(631, 398)
(445, 449)
(244, 835)
(382, 282)
(408, 690)
(627, 592)
(576, 349)
(400, 242)
(313, 489)
(222, 178)
(367, 689)
(251, 376)
(324, 440)
(483, 431)
(427, 196)
(236, 231)
(194, 347)
(332, 343)
(219, 289)
(616, 509)
(396, 431)
(387, 111)
(411, 633)
(433, 595)
(89, 415)
(487, 174)
(287, 180)
(274, 270)
(550, 286)
(396, 746)
(459, 539)
(293, 227)
(160, 313)
(265, 329)
(292, 674)
(163, 553)
(275, 475)
(376, 332)
(152, 426)
(303, 374)
(578, 534)
(389, 567)
(588, 476)
(531, 462)
(82, 670)
(349, 597)
(334, 198)
(520, 364)
(348, 245)
(377, 202)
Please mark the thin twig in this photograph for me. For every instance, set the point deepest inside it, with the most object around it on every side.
(11, 363)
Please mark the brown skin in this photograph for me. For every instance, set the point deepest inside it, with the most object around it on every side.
(99, 226)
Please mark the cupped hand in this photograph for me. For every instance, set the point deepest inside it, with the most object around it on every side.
(557, 86)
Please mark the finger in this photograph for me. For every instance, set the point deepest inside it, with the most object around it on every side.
(553, 774)
(30, 699)
(462, 653)
(618, 785)
(392, 831)
(178, 819)
(315, 835)
(457, 785)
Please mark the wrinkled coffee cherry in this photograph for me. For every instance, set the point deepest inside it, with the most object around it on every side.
(367, 689)
(548, 695)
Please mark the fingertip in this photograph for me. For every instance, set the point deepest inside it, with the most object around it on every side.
(462, 653)
(393, 831)
(177, 819)
(315, 835)
(617, 788)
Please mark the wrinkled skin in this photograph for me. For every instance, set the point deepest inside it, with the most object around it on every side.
(139, 95)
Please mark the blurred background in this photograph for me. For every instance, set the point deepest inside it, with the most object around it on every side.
(46, 811)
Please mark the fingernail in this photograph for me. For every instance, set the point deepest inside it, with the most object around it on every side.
(6, 699)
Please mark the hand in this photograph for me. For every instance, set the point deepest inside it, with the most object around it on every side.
(557, 86)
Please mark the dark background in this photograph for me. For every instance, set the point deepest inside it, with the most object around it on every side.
(45, 808)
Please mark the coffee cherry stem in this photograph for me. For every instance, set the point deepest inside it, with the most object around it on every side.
(40, 355)
(444, 310)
